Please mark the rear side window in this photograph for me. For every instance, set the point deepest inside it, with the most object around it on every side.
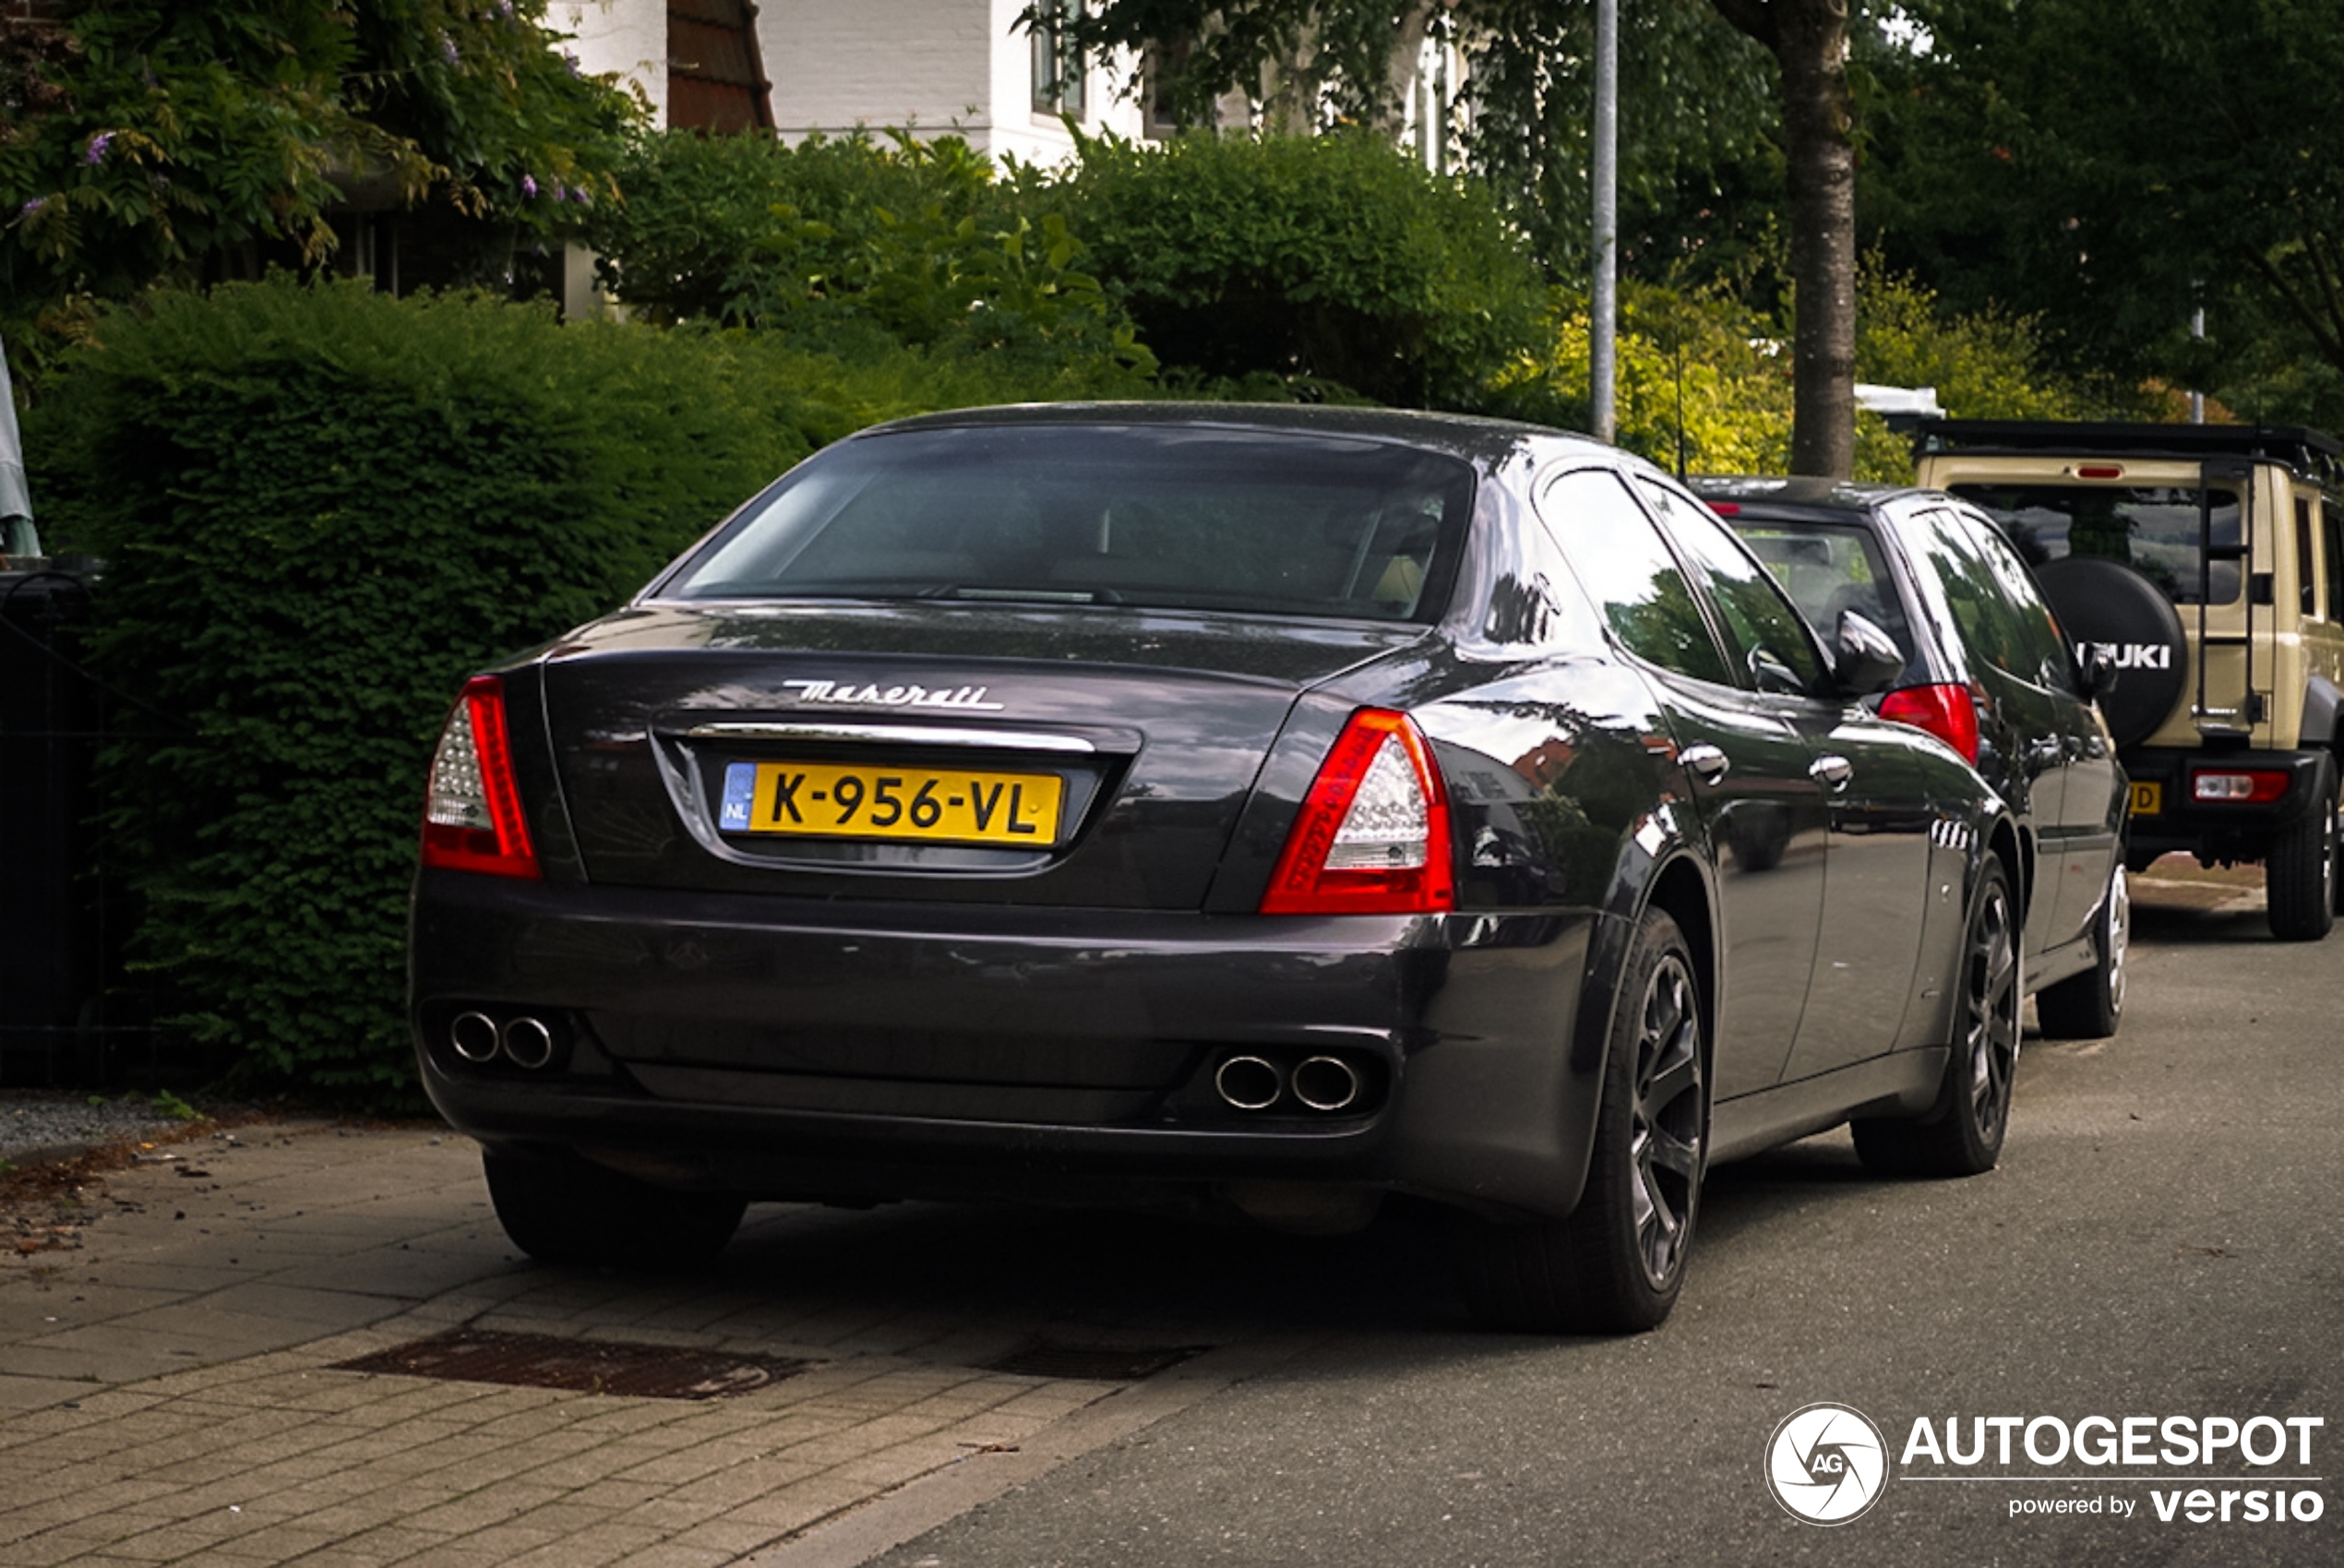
(1163, 516)
(1981, 588)
(1776, 646)
(1628, 569)
(2152, 528)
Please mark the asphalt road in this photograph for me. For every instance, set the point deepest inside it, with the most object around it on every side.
(2161, 1239)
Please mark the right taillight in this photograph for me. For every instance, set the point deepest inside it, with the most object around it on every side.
(1949, 712)
(473, 819)
(1373, 834)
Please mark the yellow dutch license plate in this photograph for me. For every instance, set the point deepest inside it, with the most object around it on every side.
(2148, 799)
(928, 804)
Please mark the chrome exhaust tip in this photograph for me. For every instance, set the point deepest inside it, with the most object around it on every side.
(474, 1036)
(1248, 1083)
(528, 1043)
(1326, 1083)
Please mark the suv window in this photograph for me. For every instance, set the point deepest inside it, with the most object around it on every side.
(2152, 528)
(2332, 556)
(1630, 572)
(1776, 646)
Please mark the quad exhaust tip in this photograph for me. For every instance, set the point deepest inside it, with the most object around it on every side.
(1249, 1083)
(475, 1036)
(1326, 1083)
(528, 1043)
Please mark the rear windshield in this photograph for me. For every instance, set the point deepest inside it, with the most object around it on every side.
(2152, 528)
(1827, 569)
(1162, 516)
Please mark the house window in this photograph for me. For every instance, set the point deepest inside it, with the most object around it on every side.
(1057, 59)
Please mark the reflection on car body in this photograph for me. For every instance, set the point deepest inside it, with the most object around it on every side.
(1442, 807)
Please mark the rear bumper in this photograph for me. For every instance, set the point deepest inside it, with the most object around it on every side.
(2216, 829)
(806, 1048)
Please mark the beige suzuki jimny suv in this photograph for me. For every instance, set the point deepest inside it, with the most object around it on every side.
(2206, 563)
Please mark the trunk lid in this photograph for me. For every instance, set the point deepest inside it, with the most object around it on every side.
(1052, 755)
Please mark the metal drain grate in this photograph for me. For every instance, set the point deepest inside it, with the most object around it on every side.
(1095, 1363)
(589, 1366)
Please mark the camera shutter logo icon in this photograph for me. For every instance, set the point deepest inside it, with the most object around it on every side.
(1826, 1464)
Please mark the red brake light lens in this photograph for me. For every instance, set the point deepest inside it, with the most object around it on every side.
(1947, 711)
(472, 819)
(1373, 835)
(2255, 786)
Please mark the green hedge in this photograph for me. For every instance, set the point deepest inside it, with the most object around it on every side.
(320, 509)
(1334, 257)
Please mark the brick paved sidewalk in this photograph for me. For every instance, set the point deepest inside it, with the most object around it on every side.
(168, 1391)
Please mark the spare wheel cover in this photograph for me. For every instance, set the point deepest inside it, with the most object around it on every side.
(2108, 603)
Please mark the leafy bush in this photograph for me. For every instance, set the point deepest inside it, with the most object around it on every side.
(856, 244)
(1334, 255)
(1703, 375)
(321, 509)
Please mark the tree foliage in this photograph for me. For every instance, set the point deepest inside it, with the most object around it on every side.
(1699, 94)
(2203, 167)
(190, 139)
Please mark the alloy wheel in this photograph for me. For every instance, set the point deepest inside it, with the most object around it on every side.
(1667, 1134)
(2120, 935)
(1990, 992)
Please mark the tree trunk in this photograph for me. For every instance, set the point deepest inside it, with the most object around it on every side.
(1808, 41)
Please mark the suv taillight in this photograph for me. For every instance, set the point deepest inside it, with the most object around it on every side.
(1949, 712)
(473, 819)
(1373, 834)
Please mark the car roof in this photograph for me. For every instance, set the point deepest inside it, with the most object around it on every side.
(1463, 435)
(1800, 495)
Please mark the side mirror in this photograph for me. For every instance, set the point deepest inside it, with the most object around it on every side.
(1864, 658)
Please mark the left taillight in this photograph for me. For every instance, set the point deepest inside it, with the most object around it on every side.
(473, 819)
(1373, 834)
(1947, 711)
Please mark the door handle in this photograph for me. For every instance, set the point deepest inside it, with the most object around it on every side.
(1833, 770)
(1705, 760)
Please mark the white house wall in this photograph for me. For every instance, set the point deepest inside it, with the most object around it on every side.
(939, 66)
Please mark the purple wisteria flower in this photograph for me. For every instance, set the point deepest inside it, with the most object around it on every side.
(30, 208)
(98, 145)
(528, 185)
(447, 49)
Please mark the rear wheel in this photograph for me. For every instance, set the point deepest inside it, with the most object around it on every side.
(561, 1209)
(1962, 1134)
(1617, 1263)
(2301, 874)
(2088, 1006)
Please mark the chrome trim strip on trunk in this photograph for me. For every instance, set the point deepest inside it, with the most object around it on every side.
(901, 735)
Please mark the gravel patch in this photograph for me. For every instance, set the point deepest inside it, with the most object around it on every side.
(47, 1120)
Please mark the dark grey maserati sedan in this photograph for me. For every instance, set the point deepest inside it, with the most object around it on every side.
(1258, 809)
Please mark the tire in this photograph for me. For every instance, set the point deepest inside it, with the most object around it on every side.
(2300, 875)
(2088, 1006)
(1962, 1133)
(1617, 1263)
(561, 1209)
